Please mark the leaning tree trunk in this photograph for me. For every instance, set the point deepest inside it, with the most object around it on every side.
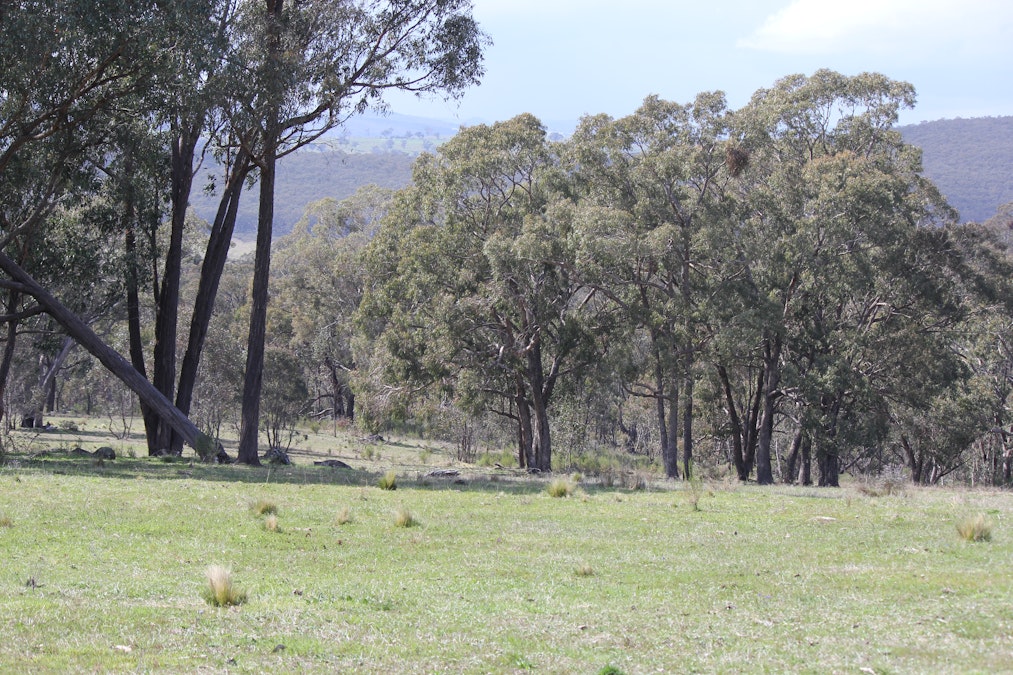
(113, 361)
(212, 268)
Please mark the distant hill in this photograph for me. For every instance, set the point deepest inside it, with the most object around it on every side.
(970, 160)
(307, 176)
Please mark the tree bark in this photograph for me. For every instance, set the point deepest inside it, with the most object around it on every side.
(254, 378)
(163, 367)
(112, 360)
(687, 422)
(212, 268)
(771, 382)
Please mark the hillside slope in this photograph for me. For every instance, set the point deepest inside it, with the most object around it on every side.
(970, 160)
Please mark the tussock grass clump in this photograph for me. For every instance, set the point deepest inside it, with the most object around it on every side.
(220, 591)
(344, 516)
(584, 570)
(975, 528)
(388, 481)
(264, 507)
(271, 523)
(5, 521)
(559, 487)
(634, 481)
(404, 518)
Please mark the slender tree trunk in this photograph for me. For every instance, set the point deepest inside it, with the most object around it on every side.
(212, 268)
(163, 367)
(738, 458)
(13, 299)
(542, 436)
(771, 382)
(253, 379)
(673, 428)
(687, 420)
(525, 454)
(793, 456)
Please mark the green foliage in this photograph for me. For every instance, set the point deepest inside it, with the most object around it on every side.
(404, 518)
(263, 507)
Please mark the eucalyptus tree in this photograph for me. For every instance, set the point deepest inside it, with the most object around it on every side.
(318, 280)
(654, 184)
(472, 284)
(305, 67)
(835, 202)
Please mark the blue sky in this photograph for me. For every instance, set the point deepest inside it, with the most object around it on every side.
(561, 59)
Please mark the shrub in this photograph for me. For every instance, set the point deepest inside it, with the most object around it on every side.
(975, 528)
(560, 487)
(264, 507)
(610, 670)
(388, 481)
(220, 591)
(404, 518)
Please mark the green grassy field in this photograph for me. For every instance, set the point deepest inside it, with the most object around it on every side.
(105, 562)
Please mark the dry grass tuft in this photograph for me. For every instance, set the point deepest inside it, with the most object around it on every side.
(404, 518)
(559, 487)
(5, 521)
(584, 570)
(344, 516)
(220, 591)
(263, 507)
(271, 523)
(388, 481)
(975, 528)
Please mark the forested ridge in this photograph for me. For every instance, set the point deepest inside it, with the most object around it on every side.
(970, 160)
(777, 292)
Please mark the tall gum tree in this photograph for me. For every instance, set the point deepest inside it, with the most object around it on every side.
(660, 175)
(472, 282)
(312, 64)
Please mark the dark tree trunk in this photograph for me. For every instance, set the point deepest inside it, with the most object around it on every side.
(525, 455)
(828, 463)
(738, 458)
(253, 379)
(212, 268)
(163, 367)
(136, 344)
(806, 470)
(668, 425)
(687, 422)
(771, 382)
(13, 300)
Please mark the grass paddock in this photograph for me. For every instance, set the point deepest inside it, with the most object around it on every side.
(105, 565)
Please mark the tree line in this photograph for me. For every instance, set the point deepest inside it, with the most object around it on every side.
(777, 289)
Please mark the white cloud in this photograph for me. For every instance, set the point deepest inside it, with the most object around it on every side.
(918, 28)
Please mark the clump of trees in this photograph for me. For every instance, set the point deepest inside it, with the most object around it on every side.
(775, 289)
(106, 112)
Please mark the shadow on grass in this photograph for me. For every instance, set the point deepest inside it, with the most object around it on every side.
(60, 462)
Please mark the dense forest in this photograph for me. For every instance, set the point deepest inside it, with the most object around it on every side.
(778, 292)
